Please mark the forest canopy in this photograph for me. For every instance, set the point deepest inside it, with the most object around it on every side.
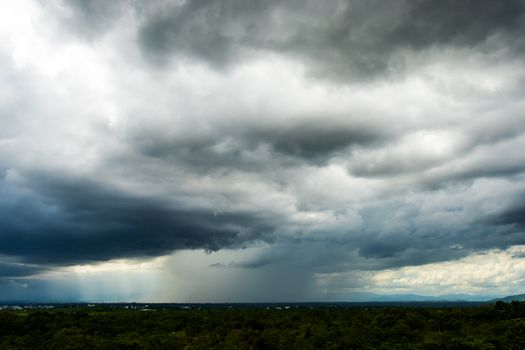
(492, 326)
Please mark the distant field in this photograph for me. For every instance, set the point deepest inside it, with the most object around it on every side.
(264, 326)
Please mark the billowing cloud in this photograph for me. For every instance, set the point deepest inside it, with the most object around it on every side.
(342, 38)
(281, 138)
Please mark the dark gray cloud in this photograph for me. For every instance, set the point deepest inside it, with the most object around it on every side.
(214, 31)
(513, 216)
(345, 38)
(12, 269)
(340, 39)
(65, 220)
(314, 141)
(310, 141)
(463, 23)
(72, 221)
(380, 249)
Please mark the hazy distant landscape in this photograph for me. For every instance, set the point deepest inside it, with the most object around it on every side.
(373, 301)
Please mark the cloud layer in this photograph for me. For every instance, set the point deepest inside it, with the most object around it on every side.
(346, 138)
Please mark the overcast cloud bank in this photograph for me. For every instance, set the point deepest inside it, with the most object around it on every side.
(353, 145)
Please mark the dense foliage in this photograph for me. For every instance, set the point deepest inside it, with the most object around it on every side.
(495, 326)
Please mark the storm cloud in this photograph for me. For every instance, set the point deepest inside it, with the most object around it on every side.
(341, 38)
(346, 138)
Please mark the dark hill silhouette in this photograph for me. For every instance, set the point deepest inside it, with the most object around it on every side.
(510, 298)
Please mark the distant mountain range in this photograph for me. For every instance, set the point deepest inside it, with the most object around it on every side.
(355, 298)
(510, 298)
(371, 297)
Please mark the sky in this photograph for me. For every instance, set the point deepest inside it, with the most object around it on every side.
(261, 150)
